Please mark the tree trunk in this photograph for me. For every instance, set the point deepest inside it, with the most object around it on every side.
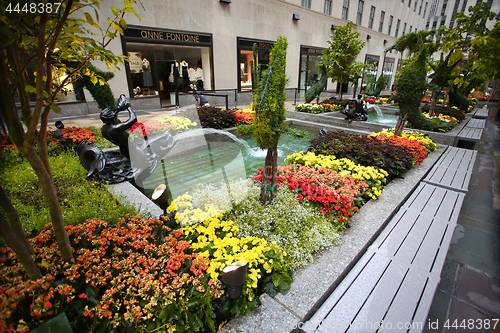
(432, 109)
(22, 252)
(50, 192)
(13, 218)
(400, 125)
(268, 188)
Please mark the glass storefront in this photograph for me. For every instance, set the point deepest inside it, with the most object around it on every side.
(245, 57)
(164, 62)
(388, 71)
(309, 67)
(370, 74)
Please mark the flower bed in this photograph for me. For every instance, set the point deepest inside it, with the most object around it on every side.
(334, 194)
(212, 117)
(394, 156)
(146, 275)
(137, 275)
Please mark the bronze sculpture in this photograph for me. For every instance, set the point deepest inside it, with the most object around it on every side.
(137, 158)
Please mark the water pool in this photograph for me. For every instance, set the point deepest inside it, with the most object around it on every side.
(216, 157)
(384, 118)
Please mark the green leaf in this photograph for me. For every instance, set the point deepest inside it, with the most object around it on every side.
(30, 89)
(277, 279)
(115, 11)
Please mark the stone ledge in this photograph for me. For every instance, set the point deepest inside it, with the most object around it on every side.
(128, 194)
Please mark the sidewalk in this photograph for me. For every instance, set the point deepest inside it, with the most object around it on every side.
(470, 281)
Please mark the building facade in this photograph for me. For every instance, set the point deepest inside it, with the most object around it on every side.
(183, 45)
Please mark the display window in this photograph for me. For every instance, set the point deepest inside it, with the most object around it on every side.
(160, 65)
(246, 58)
(388, 71)
(370, 74)
(310, 58)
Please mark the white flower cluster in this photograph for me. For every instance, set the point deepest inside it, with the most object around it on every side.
(299, 229)
(224, 196)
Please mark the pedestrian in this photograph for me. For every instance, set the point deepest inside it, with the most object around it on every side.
(200, 99)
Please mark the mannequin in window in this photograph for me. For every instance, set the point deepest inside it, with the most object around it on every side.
(146, 73)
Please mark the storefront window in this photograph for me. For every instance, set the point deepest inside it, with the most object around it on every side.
(387, 71)
(160, 66)
(309, 67)
(370, 74)
(246, 57)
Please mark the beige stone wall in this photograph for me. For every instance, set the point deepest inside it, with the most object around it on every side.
(260, 19)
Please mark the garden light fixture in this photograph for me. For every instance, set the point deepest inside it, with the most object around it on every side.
(334, 27)
(234, 276)
(368, 37)
(296, 17)
(160, 196)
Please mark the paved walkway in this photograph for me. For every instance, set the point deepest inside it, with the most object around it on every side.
(470, 281)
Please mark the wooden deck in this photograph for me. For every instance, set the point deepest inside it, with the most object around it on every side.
(394, 282)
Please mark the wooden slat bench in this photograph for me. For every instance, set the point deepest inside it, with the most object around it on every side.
(481, 113)
(391, 288)
(476, 123)
(468, 137)
(453, 169)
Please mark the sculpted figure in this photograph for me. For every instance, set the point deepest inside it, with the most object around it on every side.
(117, 132)
(136, 159)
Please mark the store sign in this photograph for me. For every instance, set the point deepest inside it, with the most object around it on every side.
(247, 44)
(135, 62)
(168, 36)
(311, 50)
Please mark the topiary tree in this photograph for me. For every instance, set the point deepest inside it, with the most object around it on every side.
(102, 94)
(319, 86)
(344, 47)
(379, 86)
(410, 87)
(269, 100)
(255, 69)
(441, 78)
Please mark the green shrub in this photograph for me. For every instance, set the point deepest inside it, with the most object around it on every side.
(310, 108)
(101, 94)
(79, 198)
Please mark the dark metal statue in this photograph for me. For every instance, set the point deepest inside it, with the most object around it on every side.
(359, 112)
(136, 159)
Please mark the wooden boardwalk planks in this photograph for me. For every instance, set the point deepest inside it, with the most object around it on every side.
(476, 123)
(394, 282)
(481, 113)
(454, 169)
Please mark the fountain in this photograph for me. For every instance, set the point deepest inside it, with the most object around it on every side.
(379, 117)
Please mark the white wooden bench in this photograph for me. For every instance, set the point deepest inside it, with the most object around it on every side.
(391, 288)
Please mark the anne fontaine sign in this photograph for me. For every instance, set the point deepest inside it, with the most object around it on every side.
(167, 36)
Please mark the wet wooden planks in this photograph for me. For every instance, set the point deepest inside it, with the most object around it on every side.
(392, 286)
(453, 169)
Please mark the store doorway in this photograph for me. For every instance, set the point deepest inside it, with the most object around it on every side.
(167, 75)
